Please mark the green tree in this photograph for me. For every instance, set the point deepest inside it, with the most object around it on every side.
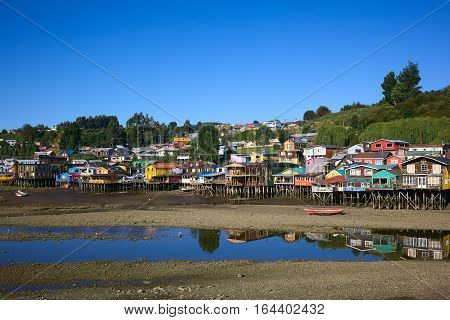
(283, 135)
(322, 110)
(263, 135)
(209, 240)
(71, 137)
(309, 115)
(388, 85)
(208, 143)
(407, 83)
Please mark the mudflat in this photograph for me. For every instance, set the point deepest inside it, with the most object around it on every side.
(231, 280)
(274, 217)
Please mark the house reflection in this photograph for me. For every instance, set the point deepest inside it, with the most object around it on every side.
(423, 247)
(291, 236)
(241, 236)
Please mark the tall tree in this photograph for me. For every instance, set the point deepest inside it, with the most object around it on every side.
(309, 115)
(263, 135)
(407, 83)
(322, 110)
(208, 143)
(388, 85)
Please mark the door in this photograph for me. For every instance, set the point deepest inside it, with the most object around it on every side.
(421, 182)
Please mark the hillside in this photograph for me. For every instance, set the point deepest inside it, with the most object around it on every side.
(424, 118)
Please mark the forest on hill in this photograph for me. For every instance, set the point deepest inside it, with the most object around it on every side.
(404, 113)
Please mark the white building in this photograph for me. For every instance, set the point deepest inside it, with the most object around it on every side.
(273, 125)
(357, 148)
(315, 152)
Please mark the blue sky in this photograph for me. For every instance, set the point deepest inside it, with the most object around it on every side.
(228, 61)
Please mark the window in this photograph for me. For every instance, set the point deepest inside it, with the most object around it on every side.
(368, 244)
(378, 145)
(394, 161)
(423, 167)
(411, 168)
(355, 172)
(422, 242)
(389, 145)
(437, 255)
(379, 162)
(412, 253)
(368, 172)
(425, 255)
(434, 181)
(436, 168)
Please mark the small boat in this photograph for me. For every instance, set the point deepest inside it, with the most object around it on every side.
(187, 189)
(324, 212)
(20, 193)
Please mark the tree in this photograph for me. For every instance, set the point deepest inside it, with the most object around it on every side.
(70, 137)
(283, 135)
(388, 85)
(263, 135)
(208, 240)
(309, 115)
(113, 132)
(407, 83)
(208, 143)
(322, 110)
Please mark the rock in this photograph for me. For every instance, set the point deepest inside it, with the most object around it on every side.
(240, 275)
(146, 282)
(140, 291)
(182, 288)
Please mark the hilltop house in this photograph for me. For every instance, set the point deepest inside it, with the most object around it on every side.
(397, 147)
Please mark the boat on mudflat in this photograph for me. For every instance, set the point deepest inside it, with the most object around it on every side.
(324, 212)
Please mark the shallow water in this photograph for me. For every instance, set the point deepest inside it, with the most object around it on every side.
(162, 244)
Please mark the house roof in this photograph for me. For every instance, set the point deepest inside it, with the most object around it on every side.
(441, 160)
(372, 155)
(332, 180)
(291, 172)
(393, 141)
(384, 174)
(373, 166)
(163, 165)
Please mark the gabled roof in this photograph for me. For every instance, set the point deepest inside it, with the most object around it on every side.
(373, 166)
(441, 160)
(384, 174)
(372, 155)
(291, 172)
(393, 141)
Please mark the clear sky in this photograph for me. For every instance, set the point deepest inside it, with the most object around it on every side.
(228, 61)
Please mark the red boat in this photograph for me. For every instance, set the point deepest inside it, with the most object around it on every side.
(325, 212)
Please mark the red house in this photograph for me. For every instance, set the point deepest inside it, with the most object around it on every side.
(393, 159)
(388, 145)
(377, 158)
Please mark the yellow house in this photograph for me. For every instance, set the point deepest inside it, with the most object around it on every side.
(182, 140)
(158, 169)
(265, 156)
(446, 179)
(102, 170)
(335, 173)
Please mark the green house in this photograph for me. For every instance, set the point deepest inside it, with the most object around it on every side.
(384, 180)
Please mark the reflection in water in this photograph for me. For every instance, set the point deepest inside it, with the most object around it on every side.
(133, 243)
(208, 240)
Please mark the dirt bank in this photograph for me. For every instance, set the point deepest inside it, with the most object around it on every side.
(233, 280)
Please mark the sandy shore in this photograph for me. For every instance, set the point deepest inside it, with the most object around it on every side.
(233, 280)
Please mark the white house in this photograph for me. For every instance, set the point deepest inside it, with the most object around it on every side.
(315, 152)
(273, 125)
(357, 148)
